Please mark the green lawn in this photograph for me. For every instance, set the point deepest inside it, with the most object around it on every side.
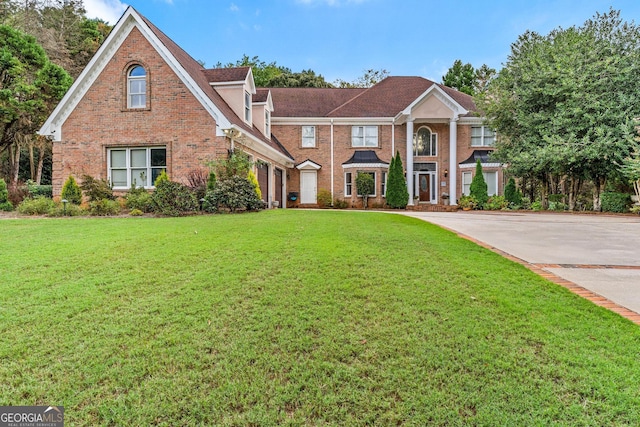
(298, 318)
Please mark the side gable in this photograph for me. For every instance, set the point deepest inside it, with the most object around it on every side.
(129, 20)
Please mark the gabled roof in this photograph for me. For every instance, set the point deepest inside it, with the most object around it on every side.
(261, 95)
(185, 67)
(387, 98)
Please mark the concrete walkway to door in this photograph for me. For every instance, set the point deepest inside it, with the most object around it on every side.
(600, 253)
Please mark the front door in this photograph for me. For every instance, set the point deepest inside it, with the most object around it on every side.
(424, 187)
(308, 187)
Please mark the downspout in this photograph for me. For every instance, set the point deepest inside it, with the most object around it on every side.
(331, 139)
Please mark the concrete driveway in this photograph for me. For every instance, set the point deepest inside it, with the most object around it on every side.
(598, 252)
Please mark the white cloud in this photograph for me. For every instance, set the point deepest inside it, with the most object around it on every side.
(107, 10)
(234, 8)
(329, 2)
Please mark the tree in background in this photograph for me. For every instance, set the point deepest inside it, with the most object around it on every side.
(368, 79)
(483, 77)
(397, 195)
(263, 72)
(478, 189)
(564, 104)
(460, 77)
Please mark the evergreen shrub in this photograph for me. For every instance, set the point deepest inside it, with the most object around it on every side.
(512, 194)
(173, 199)
(478, 187)
(71, 191)
(233, 194)
(324, 198)
(397, 196)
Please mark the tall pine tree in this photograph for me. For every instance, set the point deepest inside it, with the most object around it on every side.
(478, 187)
(397, 194)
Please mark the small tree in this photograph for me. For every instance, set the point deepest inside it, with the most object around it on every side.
(256, 185)
(5, 204)
(71, 191)
(365, 185)
(397, 195)
(478, 187)
(163, 177)
(211, 182)
(512, 194)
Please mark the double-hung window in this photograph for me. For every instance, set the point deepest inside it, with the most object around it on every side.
(137, 87)
(135, 166)
(482, 136)
(348, 184)
(247, 107)
(308, 136)
(364, 136)
(383, 185)
(491, 178)
(466, 183)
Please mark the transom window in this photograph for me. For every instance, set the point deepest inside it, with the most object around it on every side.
(308, 136)
(425, 143)
(482, 136)
(364, 136)
(136, 166)
(137, 87)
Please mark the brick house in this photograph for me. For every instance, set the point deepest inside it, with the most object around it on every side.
(143, 105)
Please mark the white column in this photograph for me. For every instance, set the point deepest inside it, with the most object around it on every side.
(410, 161)
(453, 160)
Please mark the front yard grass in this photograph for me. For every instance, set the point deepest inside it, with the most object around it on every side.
(298, 318)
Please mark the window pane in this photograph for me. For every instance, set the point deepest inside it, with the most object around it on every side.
(155, 173)
(138, 101)
(137, 86)
(118, 158)
(308, 131)
(139, 158)
(139, 177)
(137, 71)
(491, 178)
(158, 157)
(119, 178)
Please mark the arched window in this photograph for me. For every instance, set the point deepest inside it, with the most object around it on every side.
(137, 87)
(425, 143)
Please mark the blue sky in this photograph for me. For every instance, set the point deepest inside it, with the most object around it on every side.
(341, 38)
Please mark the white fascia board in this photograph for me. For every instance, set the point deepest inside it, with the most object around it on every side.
(308, 165)
(472, 121)
(234, 83)
(129, 20)
(435, 90)
(484, 165)
(365, 165)
(260, 146)
(250, 82)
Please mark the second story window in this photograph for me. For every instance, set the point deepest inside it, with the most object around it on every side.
(308, 136)
(267, 123)
(247, 107)
(425, 143)
(364, 136)
(137, 87)
(482, 136)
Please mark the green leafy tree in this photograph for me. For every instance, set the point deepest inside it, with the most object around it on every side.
(365, 185)
(478, 189)
(564, 104)
(5, 204)
(460, 77)
(512, 194)
(305, 78)
(397, 194)
(630, 168)
(71, 191)
(263, 72)
(483, 77)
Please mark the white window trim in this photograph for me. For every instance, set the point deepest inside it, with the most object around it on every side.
(267, 123)
(348, 190)
(247, 107)
(130, 93)
(308, 138)
(383, 183)
(470, 175)
(364, 137)
(485, 175)
(128, 166)
(482, 137)
(415, 141)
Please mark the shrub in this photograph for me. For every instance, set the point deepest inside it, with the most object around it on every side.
(397, 195)
(140, 199)
(478, 187)
(256, 185)
(5, 204)
(615, 202)
(536, 206)
(211, 181)
(324, 198)
(39, 190)
(70, 210)
(341, 204)
(39, 205)
(96, 189)
(233, 194)
(197, 182)
(365, 185)
(136, 212)
(496, 203)
(104, 207)
(512, 194)
(468, 202)
(17, 194)
(71, 191)
(173, 199)
(163, 177)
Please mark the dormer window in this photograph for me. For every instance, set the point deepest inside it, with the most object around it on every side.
(247, 107)
(267, 123)
(137, 87)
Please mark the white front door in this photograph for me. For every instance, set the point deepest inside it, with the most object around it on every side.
(308, 187)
